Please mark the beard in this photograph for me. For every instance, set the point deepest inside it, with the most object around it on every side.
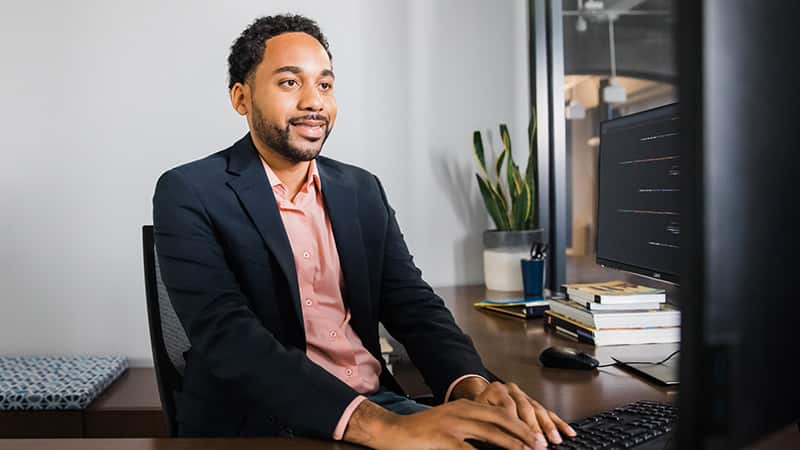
(277, 138)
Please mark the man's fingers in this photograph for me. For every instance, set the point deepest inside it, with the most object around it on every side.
(491, 433)
(505, 401)
(497, 394)
(525, 410)
(460, 445)
(527, 413)
(548, 427)
(516, 404)
(563, 426)
(497, 416)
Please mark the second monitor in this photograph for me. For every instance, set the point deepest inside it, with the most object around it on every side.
(638, 215)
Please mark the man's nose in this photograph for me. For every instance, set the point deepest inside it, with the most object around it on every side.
(310, 99)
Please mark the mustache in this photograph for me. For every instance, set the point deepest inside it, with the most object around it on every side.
(319, 117)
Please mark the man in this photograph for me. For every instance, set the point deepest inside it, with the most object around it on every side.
(280, 264)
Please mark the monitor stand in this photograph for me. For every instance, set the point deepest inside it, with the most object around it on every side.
(666, 373)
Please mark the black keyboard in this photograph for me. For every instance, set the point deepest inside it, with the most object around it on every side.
(639, 425)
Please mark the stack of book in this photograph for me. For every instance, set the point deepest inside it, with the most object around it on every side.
(525, 308)
(615, 313)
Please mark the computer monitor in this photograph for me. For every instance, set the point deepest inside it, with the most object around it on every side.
(638, 202)
(740, 171)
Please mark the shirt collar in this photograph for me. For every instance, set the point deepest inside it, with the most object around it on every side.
(312, 178)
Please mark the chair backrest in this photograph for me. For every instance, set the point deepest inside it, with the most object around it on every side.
(167, 337)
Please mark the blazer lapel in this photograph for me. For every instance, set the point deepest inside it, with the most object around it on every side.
(341, 204)
(253, 189)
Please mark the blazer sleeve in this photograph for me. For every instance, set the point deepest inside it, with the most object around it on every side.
(238, 349)
(419, 319)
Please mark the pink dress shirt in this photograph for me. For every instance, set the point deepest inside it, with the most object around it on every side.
(331, 342)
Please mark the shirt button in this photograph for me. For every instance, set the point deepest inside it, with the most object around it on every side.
(306, 255)
(349, 372)
(332, 334)
(309, 302)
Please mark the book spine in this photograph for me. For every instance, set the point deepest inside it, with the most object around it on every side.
(630, 298)
(577, 336)
(533, 312)
(572, 329)
(583, 315)
(592, 306)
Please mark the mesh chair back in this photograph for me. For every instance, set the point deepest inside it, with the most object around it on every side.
(167, 337)
(174, 335)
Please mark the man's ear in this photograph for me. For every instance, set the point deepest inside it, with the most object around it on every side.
(240, 92)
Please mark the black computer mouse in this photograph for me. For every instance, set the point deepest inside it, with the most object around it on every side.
(567, 358)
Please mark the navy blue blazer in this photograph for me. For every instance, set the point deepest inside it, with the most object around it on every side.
(227, 264)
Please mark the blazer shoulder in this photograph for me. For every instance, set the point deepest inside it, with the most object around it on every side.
(199, 172)
(355, 173)
(216, 162)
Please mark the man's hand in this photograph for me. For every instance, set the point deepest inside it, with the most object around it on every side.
(443, 427)
(514, 401)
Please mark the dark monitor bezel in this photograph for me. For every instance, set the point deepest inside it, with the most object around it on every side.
(647, 272)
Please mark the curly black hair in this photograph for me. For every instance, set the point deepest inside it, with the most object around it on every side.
(247, 51)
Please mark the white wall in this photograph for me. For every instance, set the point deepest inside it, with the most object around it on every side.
(100, 97)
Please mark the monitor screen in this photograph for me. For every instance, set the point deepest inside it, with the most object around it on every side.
(638, 217)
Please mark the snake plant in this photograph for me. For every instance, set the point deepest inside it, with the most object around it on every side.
(516, 208)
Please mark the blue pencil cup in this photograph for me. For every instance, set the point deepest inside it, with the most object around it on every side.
(532, 277)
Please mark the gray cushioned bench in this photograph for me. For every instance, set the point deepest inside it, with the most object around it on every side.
(55, 383)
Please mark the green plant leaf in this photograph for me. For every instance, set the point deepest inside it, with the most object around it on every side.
(533, 219)
(531, 142)
(505, 137)
(517, 195)
(492, 202)
(477, 143)
(498, 166)
(532, 170)
(518, 180)
(521, 209)
(513, 185)
(513, 180)
(517, 210)
(498, 187)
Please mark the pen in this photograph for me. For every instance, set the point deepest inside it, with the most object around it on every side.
(543, 251)
(535, 246)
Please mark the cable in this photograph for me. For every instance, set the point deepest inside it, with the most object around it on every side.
(611, 50)
(644, 362)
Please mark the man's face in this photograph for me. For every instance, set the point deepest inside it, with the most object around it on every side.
(289, 98)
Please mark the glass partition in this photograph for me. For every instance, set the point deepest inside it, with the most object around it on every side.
(619, 58)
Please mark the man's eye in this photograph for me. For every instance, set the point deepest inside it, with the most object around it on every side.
(326, 86)
(289, 83)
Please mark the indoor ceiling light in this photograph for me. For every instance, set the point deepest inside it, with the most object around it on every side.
(614, 92)
(575, 110)
(593, 5)
(581, 25)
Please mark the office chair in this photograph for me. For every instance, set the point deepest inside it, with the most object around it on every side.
(167, 336)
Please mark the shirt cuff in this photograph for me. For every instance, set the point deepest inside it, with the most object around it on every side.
(338, 433)
(458, 380)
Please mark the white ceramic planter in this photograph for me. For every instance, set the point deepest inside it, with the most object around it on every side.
(502, 253)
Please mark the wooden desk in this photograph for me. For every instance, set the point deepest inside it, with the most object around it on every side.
(786, 438)
(509, 346)
(174, 444)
